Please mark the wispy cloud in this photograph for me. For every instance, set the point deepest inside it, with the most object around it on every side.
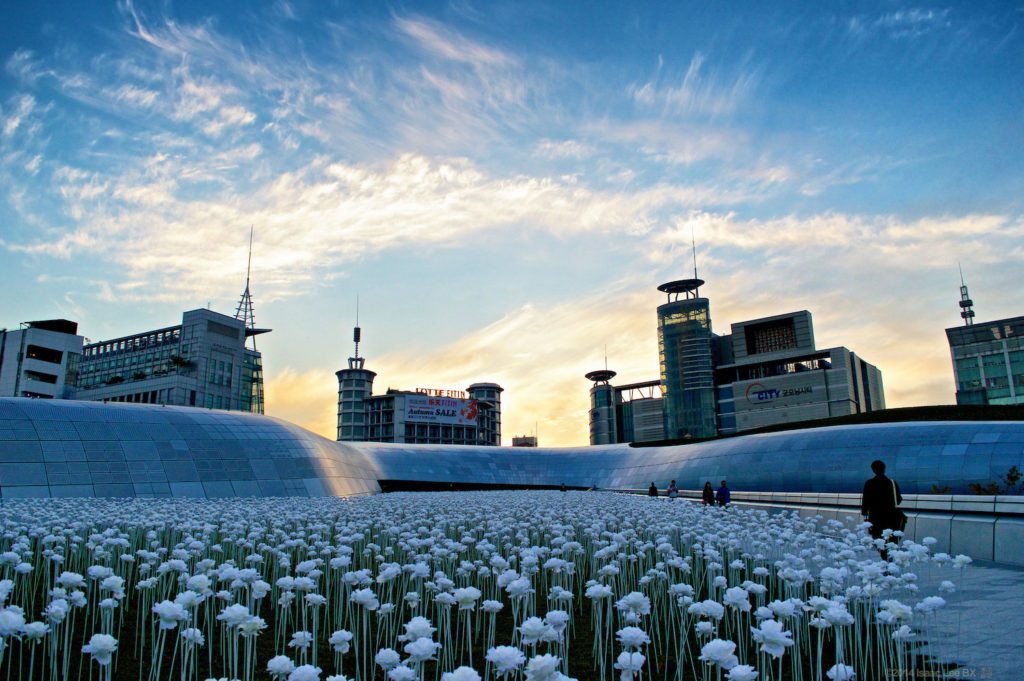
(556, 149)
(325, 215)
(18, 111)
(904, 23)
(701, 91)
(443, 42)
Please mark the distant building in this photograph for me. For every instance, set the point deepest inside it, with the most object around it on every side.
(524, 440)
(772, 373)
(766, 372)
(988, 358)
(40, 359)
(421, 416)
(640, 411)
(625, 413)
(202, 362)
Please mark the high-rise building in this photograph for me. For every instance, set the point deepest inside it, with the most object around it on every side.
(40, 359)
(202, 362)
(685, 361)
(766, 372)
(421, 416)
(988, 357)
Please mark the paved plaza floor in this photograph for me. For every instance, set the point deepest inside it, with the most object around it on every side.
(981, 627)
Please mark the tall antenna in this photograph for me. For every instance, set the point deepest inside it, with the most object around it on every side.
(693, 246)
(966, 304)
(357, 333)
(606, 356)
(245, 310)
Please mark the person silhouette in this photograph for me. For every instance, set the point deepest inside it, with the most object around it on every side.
(878, 504)
(722, 496)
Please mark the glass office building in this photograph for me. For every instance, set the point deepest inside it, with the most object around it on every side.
(685, 361)
(988, 361)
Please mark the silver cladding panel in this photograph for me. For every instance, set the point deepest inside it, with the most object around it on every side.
(68, 448)
(54, 448)
(834, 459)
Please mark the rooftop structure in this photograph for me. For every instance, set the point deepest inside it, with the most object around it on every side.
(40, 359)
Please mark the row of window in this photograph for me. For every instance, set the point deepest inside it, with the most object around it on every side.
(151, 397)
(132, 344)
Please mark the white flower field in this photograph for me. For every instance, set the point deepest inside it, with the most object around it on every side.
(541, 586)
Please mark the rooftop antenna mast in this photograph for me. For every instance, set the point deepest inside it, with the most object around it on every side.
(245, 310)
(357, 333)
(966, 304)
(693, 247)
(356, 362)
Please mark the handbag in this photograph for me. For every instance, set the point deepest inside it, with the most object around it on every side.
(899, 516)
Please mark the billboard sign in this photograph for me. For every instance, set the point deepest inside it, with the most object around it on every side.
(445, 410)
(780, 392)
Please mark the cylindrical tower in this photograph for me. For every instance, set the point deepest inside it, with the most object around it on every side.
(685, 360)
(488, 416)
(355, 385)
(603, 429)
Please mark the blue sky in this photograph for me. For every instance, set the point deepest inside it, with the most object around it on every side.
(504, 184)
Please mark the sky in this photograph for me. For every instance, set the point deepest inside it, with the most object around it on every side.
(504, 184)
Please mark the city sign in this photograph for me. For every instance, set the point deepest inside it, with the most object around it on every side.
(756, 392)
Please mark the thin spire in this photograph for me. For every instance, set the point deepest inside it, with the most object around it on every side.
(248, 264)
(606, 357)
(693, 247)
(245, 310)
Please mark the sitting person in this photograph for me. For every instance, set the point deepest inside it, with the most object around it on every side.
(673, 491)
(652, 491)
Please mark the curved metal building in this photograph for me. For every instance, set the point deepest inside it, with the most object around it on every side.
(64, 448)
(67, 448)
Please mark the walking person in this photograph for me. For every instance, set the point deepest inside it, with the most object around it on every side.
(722, 495)
(673, 491)
(652, 491)
(707, 497)
(879, 502)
